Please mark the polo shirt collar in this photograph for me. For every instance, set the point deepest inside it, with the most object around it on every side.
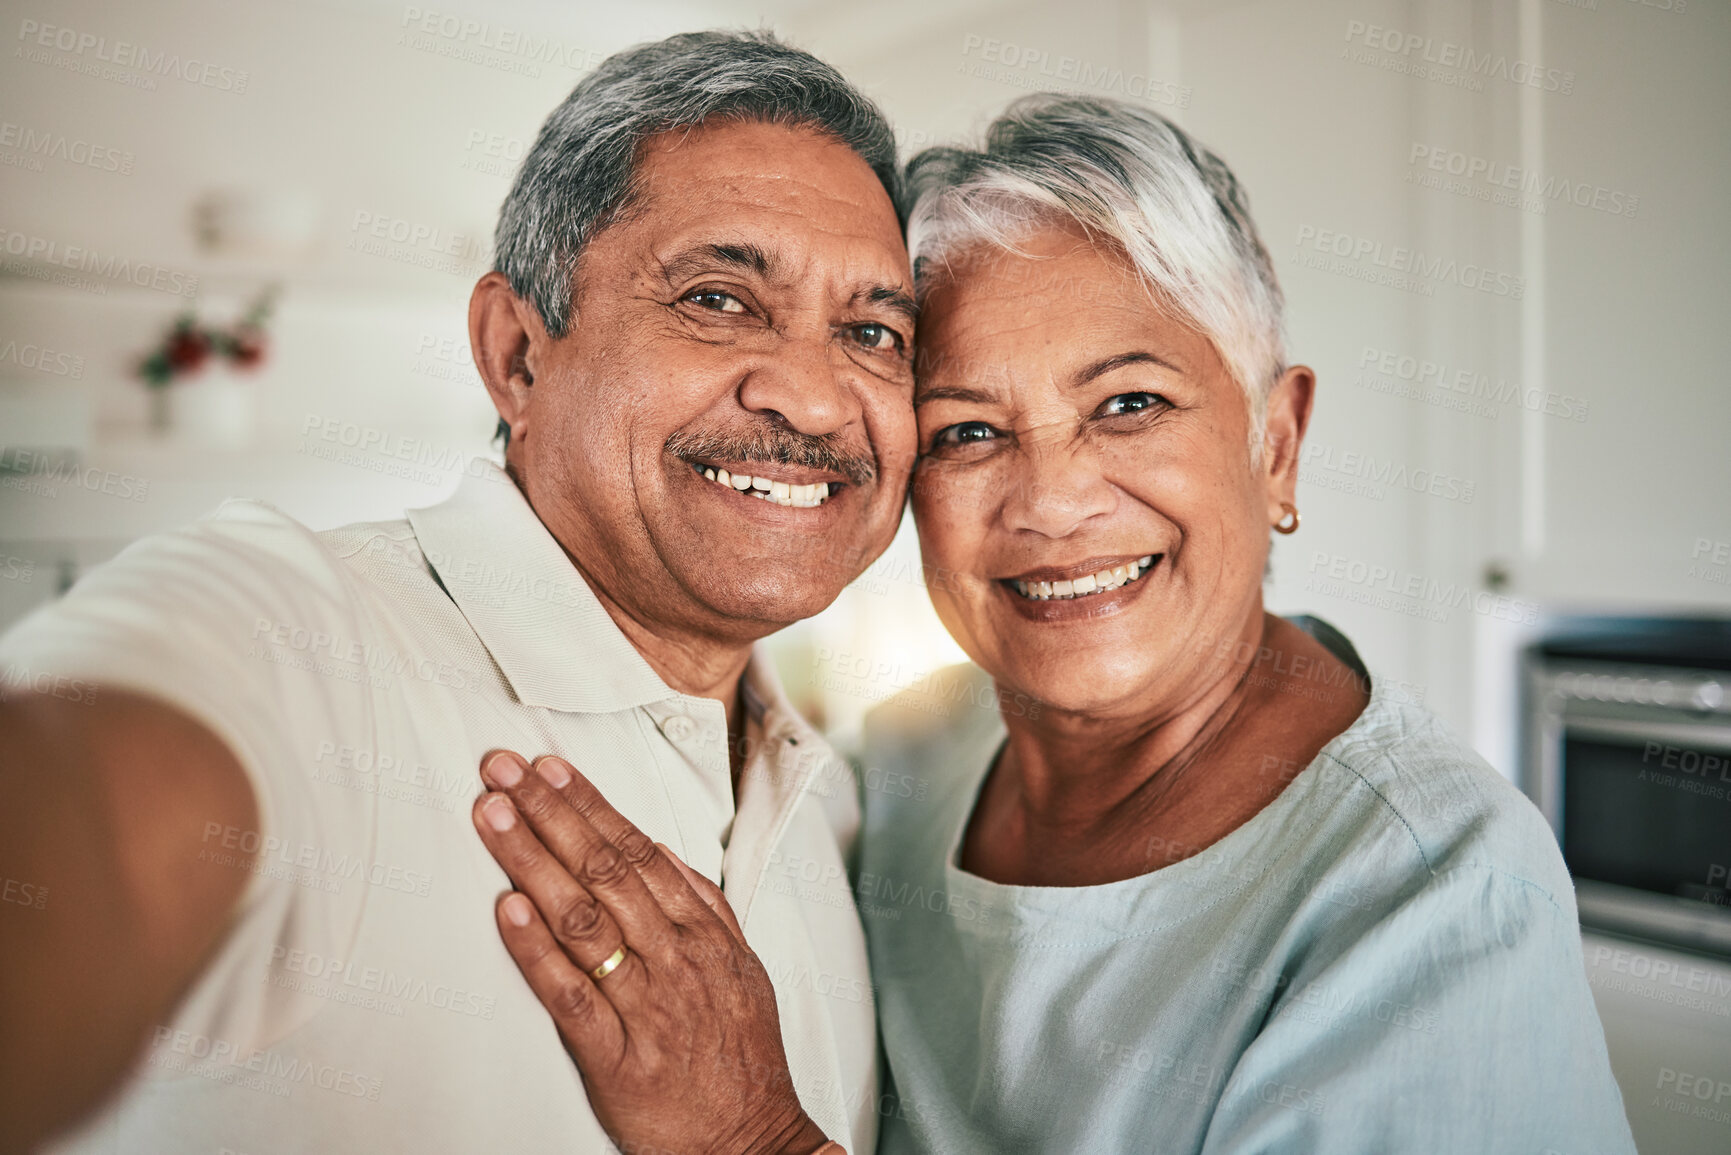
(531, 607)
(779, 774)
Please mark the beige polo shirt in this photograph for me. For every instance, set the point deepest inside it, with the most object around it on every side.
(362, 1000)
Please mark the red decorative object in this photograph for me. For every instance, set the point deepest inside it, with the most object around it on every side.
(249, 345)
(188, 345)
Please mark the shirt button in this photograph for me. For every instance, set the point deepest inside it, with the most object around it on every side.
(678, 728)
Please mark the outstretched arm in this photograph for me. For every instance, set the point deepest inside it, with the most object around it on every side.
(668, 1013)
(106, 804)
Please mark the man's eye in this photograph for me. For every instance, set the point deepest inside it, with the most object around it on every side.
(1130, 403)
(875, 336)
(967, 433)
(718, 301)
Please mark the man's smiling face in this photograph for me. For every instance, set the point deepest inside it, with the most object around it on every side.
(749, 312)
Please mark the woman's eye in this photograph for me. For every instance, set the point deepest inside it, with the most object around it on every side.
(967, 433)
(875, 336)
(717, 301)
(1129, 403)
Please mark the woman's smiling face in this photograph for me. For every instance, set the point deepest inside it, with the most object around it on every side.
(1075, 438)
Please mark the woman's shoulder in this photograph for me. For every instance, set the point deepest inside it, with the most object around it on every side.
(939, 731)
(1401, 772)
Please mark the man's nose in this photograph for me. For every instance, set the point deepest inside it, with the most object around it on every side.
(804, 383)
(1059, 486)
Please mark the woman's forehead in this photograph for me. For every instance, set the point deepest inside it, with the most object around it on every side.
(1000, 331)
(1045, 251)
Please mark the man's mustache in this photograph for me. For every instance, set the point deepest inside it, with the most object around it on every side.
(770, 443)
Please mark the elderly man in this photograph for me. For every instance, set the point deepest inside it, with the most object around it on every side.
(252, 832)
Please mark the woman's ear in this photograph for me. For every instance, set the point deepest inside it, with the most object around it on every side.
(1288, 416)
(506, 337)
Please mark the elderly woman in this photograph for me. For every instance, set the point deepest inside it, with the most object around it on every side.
(1221, 891)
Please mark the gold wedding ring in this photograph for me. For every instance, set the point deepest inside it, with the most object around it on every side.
(611, 965)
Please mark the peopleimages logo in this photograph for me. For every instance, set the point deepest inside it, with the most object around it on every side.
(39, 252)
(492, 45)
(1367, 475)
(1398, 266)
(31, 145)
(1502, 183)
(417, 243)
(1036, 69)
(1416, 595)
(1710, 561)
(42, 359)
(86, 47)
(1449, 59)
(16, 679)
(493, 153)
(42, 474)
(880, 896)
(249, 849)
(280, 641)
(276, 1071)
(383, 451)
(1388, 371)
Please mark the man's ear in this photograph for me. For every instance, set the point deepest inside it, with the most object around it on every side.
(507, 338)
(1289, 405)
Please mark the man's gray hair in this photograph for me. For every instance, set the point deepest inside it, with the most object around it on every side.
(1133, 179)
(580, 176)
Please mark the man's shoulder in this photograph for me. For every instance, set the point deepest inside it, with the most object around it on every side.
(363, 549)
(381, 553)
(241, 557)
(358, 540)
(246, 570)
(243, 539)
(242, 533)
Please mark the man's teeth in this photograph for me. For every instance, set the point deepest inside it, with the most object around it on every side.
(1094, 583)
(774, 492)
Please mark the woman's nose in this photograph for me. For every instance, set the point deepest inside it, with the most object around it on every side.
(1059, 486)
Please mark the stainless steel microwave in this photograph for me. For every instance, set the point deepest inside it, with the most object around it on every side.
(1628, 755)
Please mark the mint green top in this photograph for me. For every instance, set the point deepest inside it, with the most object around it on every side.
(1385, 959)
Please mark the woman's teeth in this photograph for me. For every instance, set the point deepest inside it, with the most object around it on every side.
(774, 492)
(1094, 583)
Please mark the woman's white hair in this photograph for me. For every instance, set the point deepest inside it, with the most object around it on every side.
(1132, 178)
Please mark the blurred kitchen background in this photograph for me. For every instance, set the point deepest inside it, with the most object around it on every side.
(238, 242)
